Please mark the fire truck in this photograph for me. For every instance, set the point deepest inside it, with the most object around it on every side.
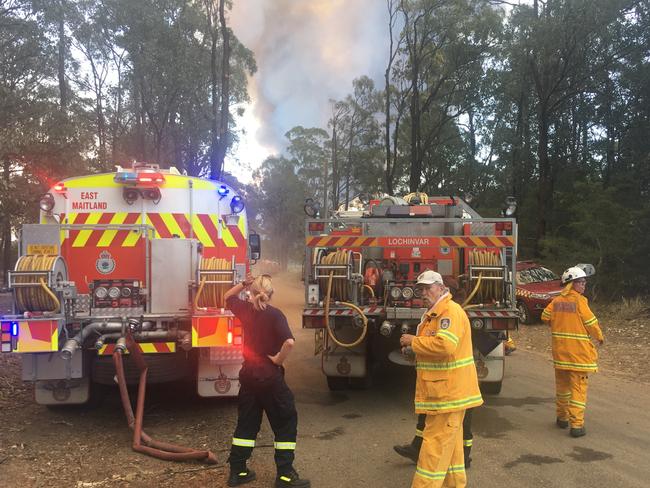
(360, 272)
(144, 254)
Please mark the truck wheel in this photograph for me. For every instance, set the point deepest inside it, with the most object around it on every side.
(491, 388)
(524, 313)
(337, 383)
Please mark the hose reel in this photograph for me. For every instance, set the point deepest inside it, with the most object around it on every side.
(34, 279)
(338, 282)
(216, 277)
(489, 276)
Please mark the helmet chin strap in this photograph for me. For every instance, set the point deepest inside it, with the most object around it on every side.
(567, 288)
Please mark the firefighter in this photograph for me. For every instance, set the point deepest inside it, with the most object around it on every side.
(446, 384)
(412, 451)
(573, 327)
(262, 386)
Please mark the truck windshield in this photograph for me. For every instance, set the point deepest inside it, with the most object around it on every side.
(535, 275)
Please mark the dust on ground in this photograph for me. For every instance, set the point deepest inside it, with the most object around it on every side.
(626, 327)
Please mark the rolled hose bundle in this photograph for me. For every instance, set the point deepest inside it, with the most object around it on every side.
(210, 295)
(486, 290)
(37, 298)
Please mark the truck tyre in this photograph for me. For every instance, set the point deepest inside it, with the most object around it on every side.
(524, 313)
(337, 383)
(491, 388)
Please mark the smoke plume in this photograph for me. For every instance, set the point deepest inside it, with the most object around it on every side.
(308, 52)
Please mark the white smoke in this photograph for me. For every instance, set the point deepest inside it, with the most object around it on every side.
(308, 52)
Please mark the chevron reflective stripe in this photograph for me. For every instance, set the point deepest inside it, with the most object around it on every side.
(145, 347)
(468, 442)
(590, 322)
(477, 241)
(341, 241)
(430, 475)
(435, 366)
(343, 311)
(511, 314)
(566, 335)
(285, 446)
(576, 403)
(449, 336)
(236, 441)
(579, 366)
(418, 433)
(451, 404)
(456, 468)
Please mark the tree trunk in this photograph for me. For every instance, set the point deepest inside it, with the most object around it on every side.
(6, 229)
(335, 168)
(544, 195)
(214, 92)
(224, 116)
(63, 90)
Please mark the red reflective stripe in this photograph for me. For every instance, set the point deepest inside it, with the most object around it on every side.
(184, 224)
(96, 235)
(237, 235)
(121, 235)
(210, 228)
(331, 241)
(487, 241)
(350, 241)
(161, 347)
(159, 225)
(80, 220)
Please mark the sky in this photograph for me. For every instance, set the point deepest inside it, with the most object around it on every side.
(307, 52)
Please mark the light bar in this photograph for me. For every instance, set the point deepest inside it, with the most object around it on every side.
(14, 329)
(59, 187)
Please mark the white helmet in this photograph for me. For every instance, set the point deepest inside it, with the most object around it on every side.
(572, 274)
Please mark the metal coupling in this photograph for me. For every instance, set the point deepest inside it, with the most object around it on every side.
(120, 345)
(99, 343)
(386, 328)
(405, 329)
(69, 348)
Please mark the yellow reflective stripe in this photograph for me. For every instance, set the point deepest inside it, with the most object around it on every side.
(468, 442)
(285, 478)
(243, 442)
(181, 181)
(577, 403)
(104, 180)
(226, 235)
(449, 336)
(84, 235)
(132, 239)
(285, 446)
(172, 225)
(418, 433)
(445, 366)
(563, 395)
(546, 314)
(456, 468)
(109, 235)
(200, 232)
(454, 403)
(566, 335)
(432, 475)
(576, 365)
(242, 225)
(591, 321)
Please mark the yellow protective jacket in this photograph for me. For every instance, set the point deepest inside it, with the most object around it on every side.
(573, 325)
(446, 374)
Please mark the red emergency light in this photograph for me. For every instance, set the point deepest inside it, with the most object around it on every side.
(59, 187)
(150, 179)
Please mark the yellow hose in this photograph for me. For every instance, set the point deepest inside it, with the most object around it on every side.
(372, 291)
(471, 295)
(37, 298)
(423, 197)
(210, 295)
(488, 290)
(328, 296)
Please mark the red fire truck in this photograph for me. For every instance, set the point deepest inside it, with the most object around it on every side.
(142, 252)
(360, 273)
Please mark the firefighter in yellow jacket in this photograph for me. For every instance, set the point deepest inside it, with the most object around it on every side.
(573, 326)
(446, 385)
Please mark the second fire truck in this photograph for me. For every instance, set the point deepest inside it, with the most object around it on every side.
(360, 273)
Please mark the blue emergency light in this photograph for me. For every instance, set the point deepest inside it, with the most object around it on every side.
(14, 329)
(126, 177)
(223, 191)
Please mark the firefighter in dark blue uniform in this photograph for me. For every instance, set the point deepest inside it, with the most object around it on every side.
(267, 343)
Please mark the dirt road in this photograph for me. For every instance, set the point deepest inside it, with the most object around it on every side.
(345, 439)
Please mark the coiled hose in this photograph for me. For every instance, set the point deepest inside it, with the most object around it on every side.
(487, 290)
(339, 291)
(210, 295)
(421, 196)
(36, 298)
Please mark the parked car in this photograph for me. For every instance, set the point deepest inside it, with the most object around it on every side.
(536, 287)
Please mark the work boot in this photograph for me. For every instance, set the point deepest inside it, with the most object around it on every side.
(468, 459)
(562, 424)
(291, 479)
(578, 431)
(408, 451)
(238, 477)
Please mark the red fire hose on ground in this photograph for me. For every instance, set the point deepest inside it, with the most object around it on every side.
(141, 441)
